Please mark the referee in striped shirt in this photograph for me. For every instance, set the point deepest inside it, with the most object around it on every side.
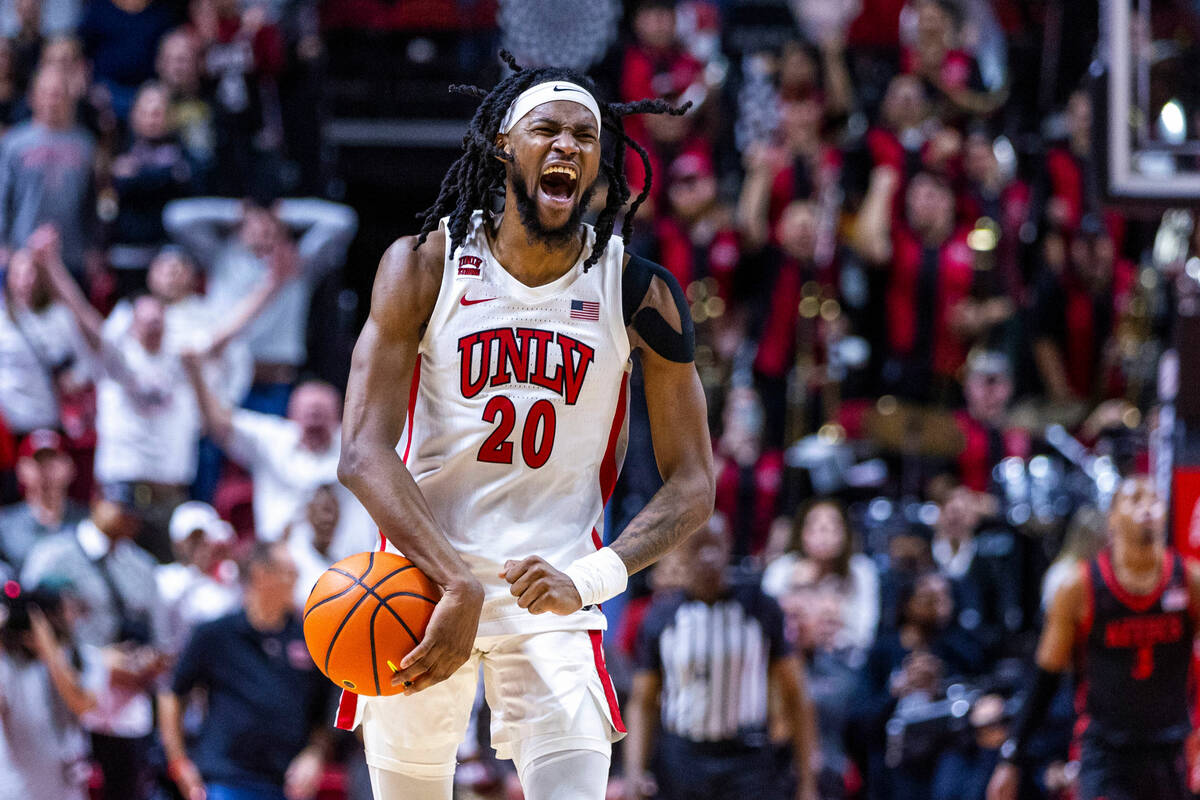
(709, 657)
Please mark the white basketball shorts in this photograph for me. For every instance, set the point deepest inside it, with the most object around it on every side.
(541, 688)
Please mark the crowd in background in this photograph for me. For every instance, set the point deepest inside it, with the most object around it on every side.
(874, 269)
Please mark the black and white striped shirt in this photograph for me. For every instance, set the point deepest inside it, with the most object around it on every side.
(714, 661)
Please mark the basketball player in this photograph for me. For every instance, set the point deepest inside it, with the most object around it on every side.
(1127, 620)
(514, 331)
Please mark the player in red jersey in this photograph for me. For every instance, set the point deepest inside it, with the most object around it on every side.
(1127, 622)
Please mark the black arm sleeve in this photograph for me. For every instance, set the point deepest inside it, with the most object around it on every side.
(1032, 713)
(656, 332)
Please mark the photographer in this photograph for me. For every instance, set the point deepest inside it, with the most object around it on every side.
(119, 632)
(41, 696)
(908, 667)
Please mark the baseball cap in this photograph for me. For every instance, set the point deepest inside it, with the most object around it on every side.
(691, 165)
(988, 362)
(40, 441)
(197, 516)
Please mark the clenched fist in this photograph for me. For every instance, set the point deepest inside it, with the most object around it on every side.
(540, 587)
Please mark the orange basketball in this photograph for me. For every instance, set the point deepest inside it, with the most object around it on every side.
(365, 611)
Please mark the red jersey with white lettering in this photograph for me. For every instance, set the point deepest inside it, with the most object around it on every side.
(516, 426)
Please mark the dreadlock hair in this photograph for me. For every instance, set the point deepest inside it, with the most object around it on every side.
(479, 173)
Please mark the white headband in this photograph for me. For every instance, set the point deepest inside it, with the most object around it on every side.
(547, 93)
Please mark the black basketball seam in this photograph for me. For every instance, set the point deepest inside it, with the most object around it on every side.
(350, 613)
(371, 589)
(357, 582)
(400, 619)
(371, 635)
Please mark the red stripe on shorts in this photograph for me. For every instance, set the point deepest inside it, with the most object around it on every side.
(345, 713)
(609, 693)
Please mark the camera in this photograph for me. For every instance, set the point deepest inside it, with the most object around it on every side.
(921, 728)
(14, 610)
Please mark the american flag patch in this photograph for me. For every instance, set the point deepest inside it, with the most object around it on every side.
(585, 309)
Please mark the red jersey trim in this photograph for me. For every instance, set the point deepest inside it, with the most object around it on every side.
(608, 467)
(1137, 603)
(412, 403)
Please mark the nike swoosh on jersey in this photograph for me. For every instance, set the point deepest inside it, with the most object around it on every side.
(464, 301)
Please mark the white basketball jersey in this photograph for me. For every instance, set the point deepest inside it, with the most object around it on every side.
(516, 426)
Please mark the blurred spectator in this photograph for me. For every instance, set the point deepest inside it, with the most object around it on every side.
(191, 113)
(713, 733)
(822, 549)
(1073, 189)
(196, 586)
(46, 174)
(49, 17)
(981, 560)
(1076, 311)
(815, 622)
(39, 342)
(192, 322)
(909, 665)
(121, 629)
(288, 458)
(147, 421)
(899, 138)
(265, 736)
(794, 288)
(932, 316)
(809, 165)
(11, 89)
(656, 64)
(695, 237)
(92, 103)
(45, 472)
(237, 244)
(311, 540)
(749, 476)
(24, 46)
(949, 73)
(992, 191)
(154, 170)
(988, 387)
(243, 56)
(120, 38)
(43, 751)
(820, 72)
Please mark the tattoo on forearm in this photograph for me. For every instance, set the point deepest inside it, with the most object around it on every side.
(666, 520)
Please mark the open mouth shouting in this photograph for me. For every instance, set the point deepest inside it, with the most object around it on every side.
(558, 183)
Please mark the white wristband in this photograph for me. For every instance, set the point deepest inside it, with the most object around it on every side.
(599, 576)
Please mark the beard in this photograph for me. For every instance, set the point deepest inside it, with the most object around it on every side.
(527, 210)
